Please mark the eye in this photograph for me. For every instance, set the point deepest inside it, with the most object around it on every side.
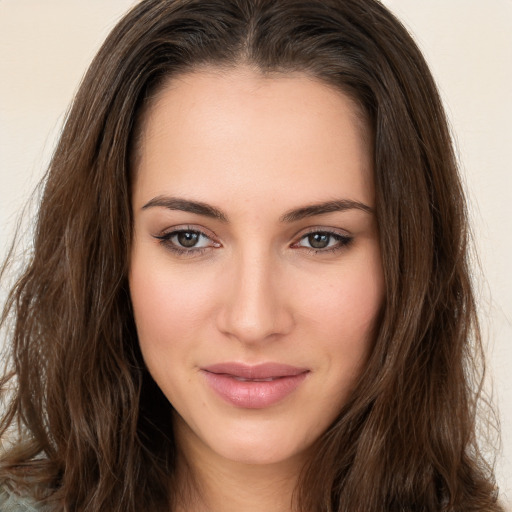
(189, 239)
(186, 241)
(323, 241)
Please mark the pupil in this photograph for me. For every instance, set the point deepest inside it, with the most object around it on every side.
(319, 240)
(188, 238)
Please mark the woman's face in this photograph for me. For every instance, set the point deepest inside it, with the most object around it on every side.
(256, 275)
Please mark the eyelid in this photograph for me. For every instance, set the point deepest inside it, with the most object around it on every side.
(322, 229)
(187, 227)
(344, 239)
(165, 236)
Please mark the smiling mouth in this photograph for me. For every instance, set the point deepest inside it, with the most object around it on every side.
(254, 387)
(242, 379)
(261, 371)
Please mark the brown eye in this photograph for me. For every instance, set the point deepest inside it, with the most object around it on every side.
(319, 240)
(324, 241)
(187, 238)
(187, 241)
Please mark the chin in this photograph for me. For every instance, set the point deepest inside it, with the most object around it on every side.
(259, 446)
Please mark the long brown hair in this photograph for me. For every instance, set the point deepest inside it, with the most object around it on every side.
(93, 430)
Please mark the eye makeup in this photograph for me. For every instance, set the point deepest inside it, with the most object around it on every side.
(188, 241)
(323, 241)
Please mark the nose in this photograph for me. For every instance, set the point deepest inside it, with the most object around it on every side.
(255, 307)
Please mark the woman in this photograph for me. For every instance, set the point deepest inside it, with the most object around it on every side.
(249, 287)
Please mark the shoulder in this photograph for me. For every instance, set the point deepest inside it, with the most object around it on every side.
(12, 502)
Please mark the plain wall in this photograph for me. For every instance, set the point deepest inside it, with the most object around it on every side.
(45, 47)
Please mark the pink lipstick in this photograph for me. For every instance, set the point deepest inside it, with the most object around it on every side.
(253, 387)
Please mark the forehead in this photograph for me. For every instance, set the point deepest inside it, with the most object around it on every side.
(213, 126)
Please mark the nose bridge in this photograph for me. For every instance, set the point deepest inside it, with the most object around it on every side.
(254, 309)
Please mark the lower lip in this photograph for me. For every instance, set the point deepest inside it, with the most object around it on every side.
(253, 394)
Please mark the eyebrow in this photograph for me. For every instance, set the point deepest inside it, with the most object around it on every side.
(197, 207)
(339, 205)
(206, 210)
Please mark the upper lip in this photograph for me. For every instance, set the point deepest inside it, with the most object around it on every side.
(259, 371)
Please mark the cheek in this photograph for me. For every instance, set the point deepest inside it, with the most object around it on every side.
(166, 305)
(166, 295)
(154, 304)
(345, 333)
(349, 302)
(343, 317)
(167, 317)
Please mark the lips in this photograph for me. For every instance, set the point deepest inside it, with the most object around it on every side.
(253, 387)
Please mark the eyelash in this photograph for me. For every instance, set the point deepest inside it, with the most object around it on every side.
(343, 241)
(166, 240)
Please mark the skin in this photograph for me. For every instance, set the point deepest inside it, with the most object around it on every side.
(254, 147)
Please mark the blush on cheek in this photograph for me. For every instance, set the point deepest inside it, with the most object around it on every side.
(160, 296)
(356, 300)
(352, 312)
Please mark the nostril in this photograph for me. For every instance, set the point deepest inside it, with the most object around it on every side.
(253, 321)
(254, 308)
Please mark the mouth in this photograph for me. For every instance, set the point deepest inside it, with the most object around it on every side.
(254, 387)
(242, 379)
(262, 371)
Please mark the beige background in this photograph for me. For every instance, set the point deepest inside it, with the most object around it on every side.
(46, 45)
